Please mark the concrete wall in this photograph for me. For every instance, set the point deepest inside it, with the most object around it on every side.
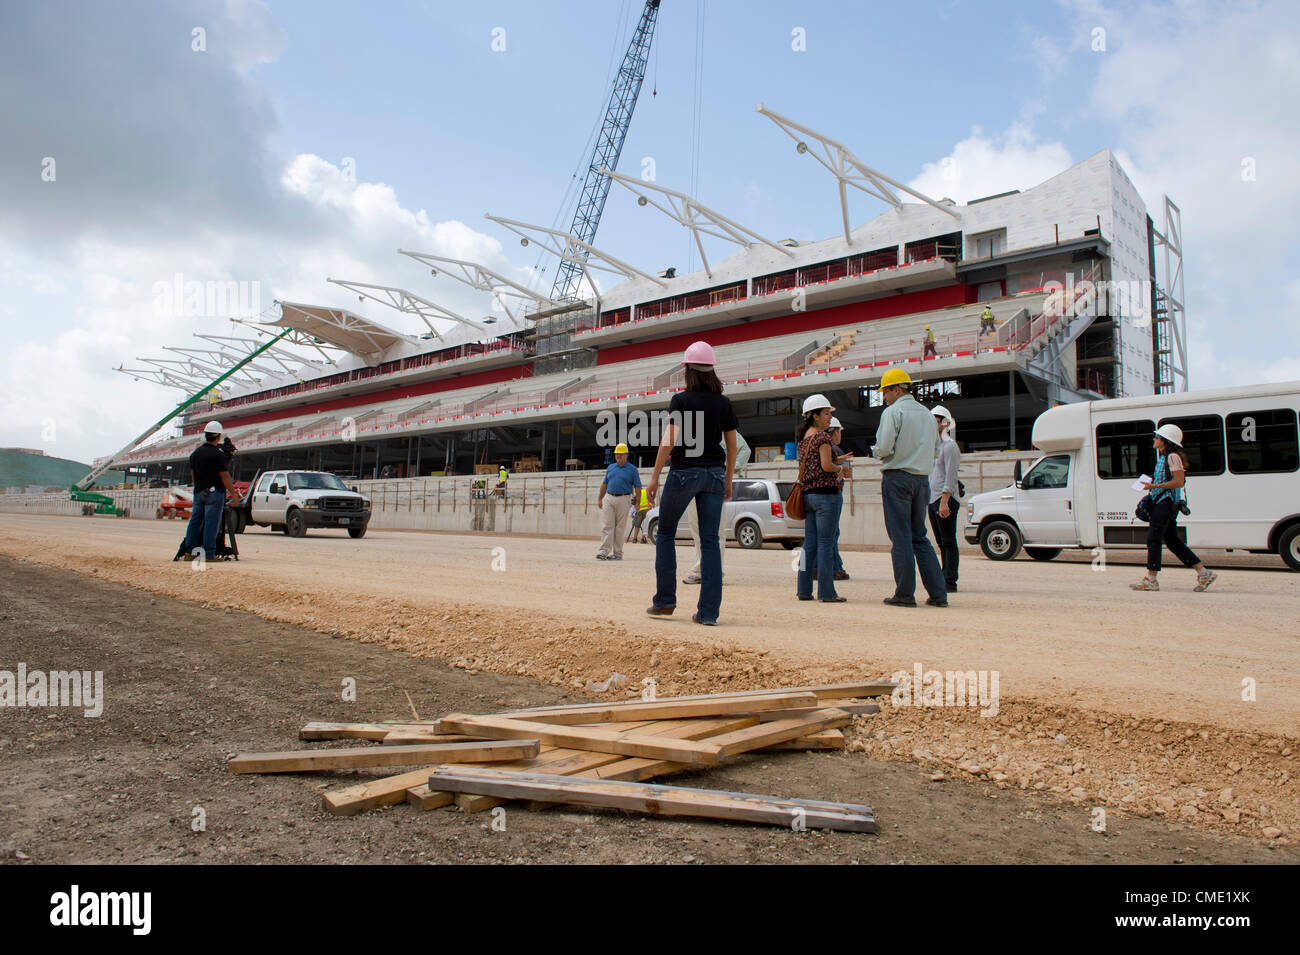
(556, 503)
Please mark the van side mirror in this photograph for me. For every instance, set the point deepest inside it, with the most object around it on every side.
(275, 489)
(1018, 473)
(354, 489)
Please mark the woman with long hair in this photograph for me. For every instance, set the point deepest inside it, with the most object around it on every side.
(821, 478)
(701, 422)
(1167, 500)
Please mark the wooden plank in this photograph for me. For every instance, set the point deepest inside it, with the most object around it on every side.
(826, 739)
(591, 739)
(676, 709)
(375, 731)
(314, 760)
(824, 691)
(856, 708)
(779, 731)
(654, 799)
(410, 738)
(576, 763)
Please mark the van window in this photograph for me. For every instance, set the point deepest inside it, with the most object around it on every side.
(748, 491)
(1203, 442)
(783, 488)
(263, 484)
(1048, 473)
(1263, 442)
(1124, 449)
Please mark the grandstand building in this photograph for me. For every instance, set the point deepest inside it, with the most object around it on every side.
(1067, 266)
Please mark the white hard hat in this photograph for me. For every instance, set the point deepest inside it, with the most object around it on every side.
(1171, 432)
(212, 427)
(941, 412)
(816, 403)
(835, 423)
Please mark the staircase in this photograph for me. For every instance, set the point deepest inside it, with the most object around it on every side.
(825, 356)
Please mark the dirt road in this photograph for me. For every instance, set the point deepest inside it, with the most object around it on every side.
(1106, 696)
(186, 685)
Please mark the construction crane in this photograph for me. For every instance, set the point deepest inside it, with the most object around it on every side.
(104, 504)
(618, 116)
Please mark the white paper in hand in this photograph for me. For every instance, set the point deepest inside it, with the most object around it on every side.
(1137, 485)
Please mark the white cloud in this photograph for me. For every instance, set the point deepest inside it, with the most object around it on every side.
(981, 165)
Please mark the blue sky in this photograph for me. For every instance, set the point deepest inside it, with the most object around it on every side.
(227, 163)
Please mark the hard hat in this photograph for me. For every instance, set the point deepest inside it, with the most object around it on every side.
(894, 376)
(816, 403)
(927, 328)
(212, 427)
(835, 423)
(941, 412)
(1171, 432)
(699, 353)
(621, 449)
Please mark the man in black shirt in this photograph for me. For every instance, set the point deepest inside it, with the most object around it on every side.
(212, 482)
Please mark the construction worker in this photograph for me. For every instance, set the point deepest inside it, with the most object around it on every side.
(614, 503)
(907, 444)
(502, 475)
(986, 322)
(643, 506)
(212, 483)
(692, 516)
(929, 344)
(945, 495)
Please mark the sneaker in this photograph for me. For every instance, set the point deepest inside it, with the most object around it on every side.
(802, 597)
(1204, 580)
(833, 600)
(692, 579)
(660, 611)
(841, 575)
(1146, 583)
(614, 557)
(900, 601)
(601, 557)
(932, 602)
(695, 618)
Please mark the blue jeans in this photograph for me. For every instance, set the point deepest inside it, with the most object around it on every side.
(821, 527)
(839, 561)
(205, 522)
(706, 487)
(907, 500)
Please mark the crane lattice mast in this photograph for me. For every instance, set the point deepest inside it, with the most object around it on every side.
(618, 116)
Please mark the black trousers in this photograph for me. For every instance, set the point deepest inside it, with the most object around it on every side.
(1163, 532)
(945, 535)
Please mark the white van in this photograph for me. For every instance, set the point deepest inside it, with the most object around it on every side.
(1243, 485)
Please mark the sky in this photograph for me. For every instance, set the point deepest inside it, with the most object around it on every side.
(278, 143)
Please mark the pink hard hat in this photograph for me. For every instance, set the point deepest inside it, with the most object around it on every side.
(700, 353)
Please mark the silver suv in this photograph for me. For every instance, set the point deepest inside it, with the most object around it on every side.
(755, 513)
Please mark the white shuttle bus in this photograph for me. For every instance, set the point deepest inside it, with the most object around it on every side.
(1243, 486)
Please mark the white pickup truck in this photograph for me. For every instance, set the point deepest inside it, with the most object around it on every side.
(293, 501)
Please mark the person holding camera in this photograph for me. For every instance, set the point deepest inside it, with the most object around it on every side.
(1167, 502)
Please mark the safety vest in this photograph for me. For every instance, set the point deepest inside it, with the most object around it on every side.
(643, 502)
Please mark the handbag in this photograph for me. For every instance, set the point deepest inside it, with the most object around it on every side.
(1143, 509)
(794, 508)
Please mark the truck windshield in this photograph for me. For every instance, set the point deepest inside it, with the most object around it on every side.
(310, 482)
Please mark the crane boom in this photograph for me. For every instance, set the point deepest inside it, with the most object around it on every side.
(89, 480)
(609, 144)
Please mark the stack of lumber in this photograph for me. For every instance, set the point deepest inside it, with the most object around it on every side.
(590, 754)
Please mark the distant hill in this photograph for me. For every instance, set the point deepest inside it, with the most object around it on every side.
(20, 468)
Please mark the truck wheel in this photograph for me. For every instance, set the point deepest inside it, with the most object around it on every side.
(1289, 546)
(1043, 553)
(791, 544)
(357, 532)
(652, 530)
(1000, 540)
(748, 535)
(294, 526)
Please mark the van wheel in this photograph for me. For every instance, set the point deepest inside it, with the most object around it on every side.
(652, 530)
(355, 532)
(293, 525)
(1289, 546)
(748, 535)
(789, 544)
(1043, 553)
(1000, 540)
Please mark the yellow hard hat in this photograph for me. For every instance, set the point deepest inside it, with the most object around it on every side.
(895, 376)
(621, 449)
